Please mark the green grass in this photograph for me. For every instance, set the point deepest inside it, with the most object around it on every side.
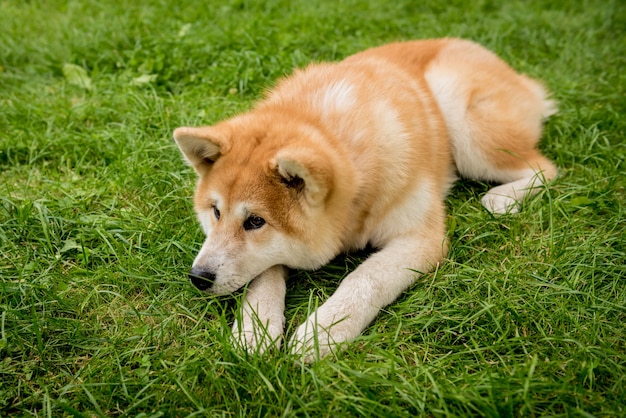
(97, 233)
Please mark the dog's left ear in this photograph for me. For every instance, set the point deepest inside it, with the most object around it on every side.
(202, 146)
(305, 172)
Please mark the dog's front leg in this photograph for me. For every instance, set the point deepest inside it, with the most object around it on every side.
(262, 320)
(377, 282)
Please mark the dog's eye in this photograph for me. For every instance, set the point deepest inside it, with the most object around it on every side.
(216, 212)
(253, 222)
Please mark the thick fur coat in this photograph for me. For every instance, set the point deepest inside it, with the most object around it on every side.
(342, 155)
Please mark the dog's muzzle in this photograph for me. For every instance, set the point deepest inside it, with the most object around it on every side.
(201, 279)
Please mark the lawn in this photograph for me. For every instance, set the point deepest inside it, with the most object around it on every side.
(97, 318)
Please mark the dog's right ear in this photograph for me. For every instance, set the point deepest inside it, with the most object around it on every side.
(202, 146)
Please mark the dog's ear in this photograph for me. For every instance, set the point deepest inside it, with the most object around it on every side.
(306, 172)
(202, 146)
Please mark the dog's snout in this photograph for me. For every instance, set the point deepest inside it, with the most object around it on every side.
(201, 279)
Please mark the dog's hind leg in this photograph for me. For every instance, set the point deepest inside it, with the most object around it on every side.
(495, 139)
(500, 145)
(494, 119)
(262, 320)
(518, 184)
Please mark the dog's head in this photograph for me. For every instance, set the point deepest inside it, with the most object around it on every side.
(268, 194)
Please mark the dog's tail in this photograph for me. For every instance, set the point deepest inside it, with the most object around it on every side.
(550, 106)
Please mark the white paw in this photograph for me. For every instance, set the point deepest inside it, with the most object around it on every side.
(310, 342)
(499, 204)
(322, 335)
(255, 338)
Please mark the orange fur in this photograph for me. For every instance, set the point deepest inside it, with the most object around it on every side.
(361, 151)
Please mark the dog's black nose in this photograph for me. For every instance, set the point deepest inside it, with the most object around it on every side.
(201, 279)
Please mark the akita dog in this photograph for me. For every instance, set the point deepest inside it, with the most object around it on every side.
(364, 151)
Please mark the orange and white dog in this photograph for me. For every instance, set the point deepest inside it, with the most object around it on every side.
(364, 151)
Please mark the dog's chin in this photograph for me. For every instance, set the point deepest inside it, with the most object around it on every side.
(222, 289)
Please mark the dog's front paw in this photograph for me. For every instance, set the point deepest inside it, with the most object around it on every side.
(256, 338)
(310, 342)
(317, 338)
